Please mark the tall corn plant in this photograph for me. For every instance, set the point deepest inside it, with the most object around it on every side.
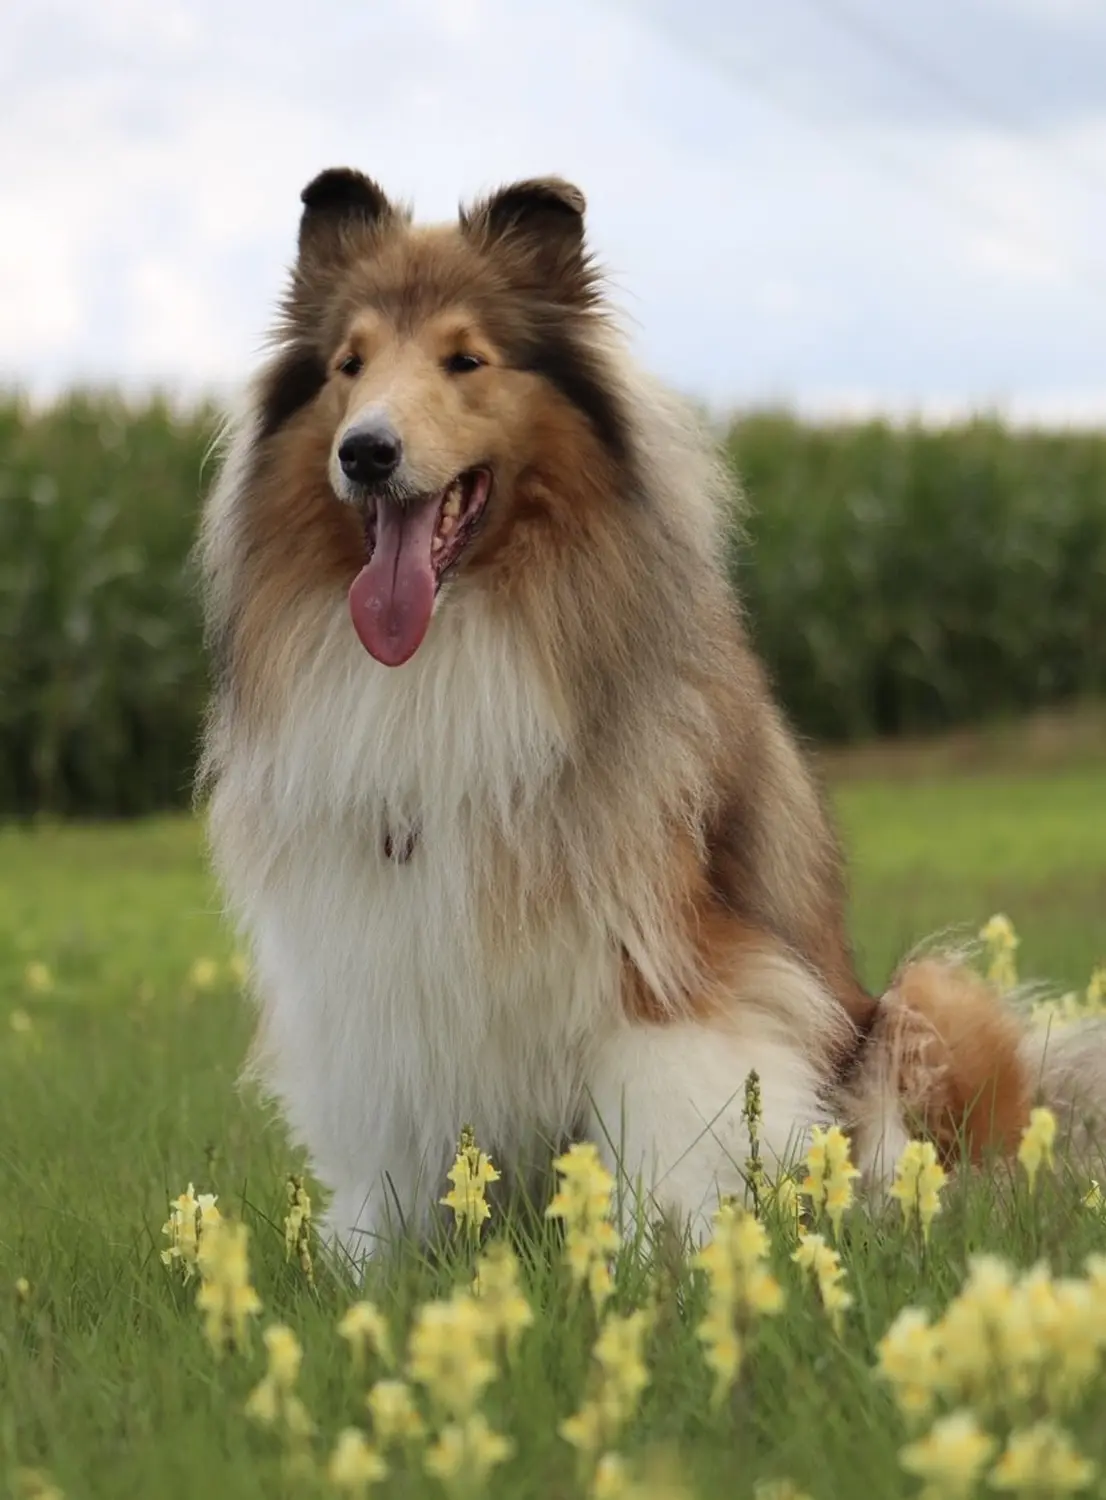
(101, 672)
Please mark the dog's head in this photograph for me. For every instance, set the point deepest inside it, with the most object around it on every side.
(441, 368)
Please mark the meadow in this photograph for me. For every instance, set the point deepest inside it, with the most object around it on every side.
(123, 1026)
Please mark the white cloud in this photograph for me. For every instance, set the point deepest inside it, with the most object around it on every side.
(763, 240)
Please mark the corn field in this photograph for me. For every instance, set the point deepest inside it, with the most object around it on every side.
(897, 580)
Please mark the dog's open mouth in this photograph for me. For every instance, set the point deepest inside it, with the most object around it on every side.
(409, 547)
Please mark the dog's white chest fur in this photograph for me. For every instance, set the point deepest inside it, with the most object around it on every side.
(389, 1018)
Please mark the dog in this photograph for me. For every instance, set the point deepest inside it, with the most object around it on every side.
(498, 790)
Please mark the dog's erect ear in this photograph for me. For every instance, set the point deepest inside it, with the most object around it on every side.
(336, 202)
(538, 226)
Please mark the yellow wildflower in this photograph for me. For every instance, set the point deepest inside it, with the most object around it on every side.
(778, 1489)
(495, 1286)
(1002, 942)
(21, 1022)
(1037, 1142)
(1042, 1460)
(787, 1201)
(274, 1400)
(619, 1377)
(830, 1174)
(614, 1479)
(363, 1326)
(226, 1297)
(741, 1288)
(1093, 1199)
(471, 1173)
(297, 1228)
(203, 974)
(190, 1216)
(447, 1354)
(815, 1255)
(978, 1331)
(611, 1480)
(466, 1452)
(950, 1458)
(35, 1484)
(38, 979)
(909, 1360)
(919, 1178)
(22, 1289)
(395, 1416)
(584, 1429)
(355, 1465)
(618, 1353)
(583, 1202)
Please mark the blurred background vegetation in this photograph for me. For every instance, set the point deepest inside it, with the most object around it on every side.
(899, 580)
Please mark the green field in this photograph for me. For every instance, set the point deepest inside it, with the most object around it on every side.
(117, 1088)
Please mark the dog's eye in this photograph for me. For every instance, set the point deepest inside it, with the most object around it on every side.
(353, 364)
(461, 364)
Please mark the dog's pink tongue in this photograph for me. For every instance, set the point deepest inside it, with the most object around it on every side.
(392, 598)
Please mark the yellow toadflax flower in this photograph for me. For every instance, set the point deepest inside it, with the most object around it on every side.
(465, 1454)
(363, 1327)
(273, 1401)
(614, 1479)
(471, 1173)
(977, 1333)
(950, 1458)
(741, 1289)
(1042, 1460)
(190, 1217)
(815, 1255)
(909, 1360)
(21, 1022)
(1037, 1141)
(830, 1174)
(495, 1286)
(38, 979)
(355, 1465)
(1093, 1199)
(297, 1228)
(226, 1297)
(1002, 943)
(203, 974)
(787, 1204)
(583, 1202)
(447, 1354)
(619, 1376)
(395, 1416)
(35, 1484)
(919, 1178)
(778, 1489)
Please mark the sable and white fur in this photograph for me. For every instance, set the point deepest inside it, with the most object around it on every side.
(619, 892)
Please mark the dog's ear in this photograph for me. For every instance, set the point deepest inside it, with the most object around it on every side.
(337, 203)
(537, 227)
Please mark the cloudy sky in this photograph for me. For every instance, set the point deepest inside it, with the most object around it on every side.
(841, 204)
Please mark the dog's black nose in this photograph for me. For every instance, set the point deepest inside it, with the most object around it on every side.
(370, 453)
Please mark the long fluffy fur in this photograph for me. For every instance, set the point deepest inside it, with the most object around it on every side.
(619, 889)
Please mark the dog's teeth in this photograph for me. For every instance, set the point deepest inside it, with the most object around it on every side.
(452, 505)
(437, 544)
(446, 525)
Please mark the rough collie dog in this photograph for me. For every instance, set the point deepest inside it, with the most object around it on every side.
(500, 794)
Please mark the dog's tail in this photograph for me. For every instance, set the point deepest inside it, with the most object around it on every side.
(953, 1059)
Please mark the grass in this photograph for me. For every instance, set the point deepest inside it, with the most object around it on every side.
(123, 1090)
